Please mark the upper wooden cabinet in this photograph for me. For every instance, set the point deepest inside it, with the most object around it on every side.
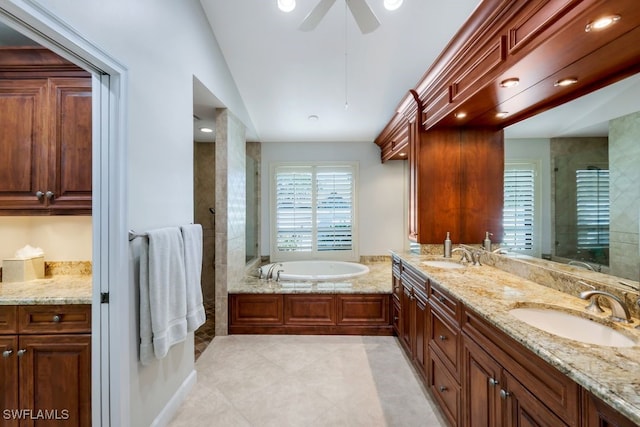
(45, 146)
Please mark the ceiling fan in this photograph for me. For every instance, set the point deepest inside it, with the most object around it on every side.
(362, 13)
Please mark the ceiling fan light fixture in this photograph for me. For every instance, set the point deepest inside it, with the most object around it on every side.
(286, 5)
(392, 4)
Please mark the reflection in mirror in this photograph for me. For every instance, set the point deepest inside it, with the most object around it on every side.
(252, 190)
(583, 153)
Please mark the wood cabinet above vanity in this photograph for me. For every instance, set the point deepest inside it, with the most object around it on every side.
(45, 145)
(539, 43)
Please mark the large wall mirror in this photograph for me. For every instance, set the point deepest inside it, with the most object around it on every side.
(583, 163)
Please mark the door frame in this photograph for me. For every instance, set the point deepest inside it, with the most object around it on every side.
(110, 389)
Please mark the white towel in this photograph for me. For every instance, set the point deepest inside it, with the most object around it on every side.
(192, 236)
(164, 290)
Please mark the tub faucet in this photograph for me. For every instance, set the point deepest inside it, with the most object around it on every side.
(619, 310)
(270, 271)
(581, 264)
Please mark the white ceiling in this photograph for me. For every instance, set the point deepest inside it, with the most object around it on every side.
(285, 75)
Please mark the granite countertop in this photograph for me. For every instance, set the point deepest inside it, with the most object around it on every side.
(59, 289)
(377, 281)
(611, 373)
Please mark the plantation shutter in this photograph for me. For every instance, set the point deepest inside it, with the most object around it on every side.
(294, 209)
(592, 198)
(519, 208)
(334, 194)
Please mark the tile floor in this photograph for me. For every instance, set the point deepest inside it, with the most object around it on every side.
(306, 381)
(205, 333)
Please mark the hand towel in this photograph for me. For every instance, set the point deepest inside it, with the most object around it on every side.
(167, 289)
(192, 237)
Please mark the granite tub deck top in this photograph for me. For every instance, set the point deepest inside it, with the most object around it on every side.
(377, 281)
(611, 373)
(65, 289)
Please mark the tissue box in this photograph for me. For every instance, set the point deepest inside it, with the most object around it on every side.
(22, 270)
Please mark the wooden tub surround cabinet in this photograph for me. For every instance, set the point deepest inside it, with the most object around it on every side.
(485, 368)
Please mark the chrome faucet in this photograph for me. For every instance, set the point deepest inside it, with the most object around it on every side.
(469, 256)
(619, 310)
(581, 264)
(270, 271)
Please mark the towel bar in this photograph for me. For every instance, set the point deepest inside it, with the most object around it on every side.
(133, 235)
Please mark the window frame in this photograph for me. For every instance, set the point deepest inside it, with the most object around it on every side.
(533, 165)
(338, 255)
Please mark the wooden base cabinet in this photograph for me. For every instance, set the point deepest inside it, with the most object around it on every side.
(347, 314)
(46, 366)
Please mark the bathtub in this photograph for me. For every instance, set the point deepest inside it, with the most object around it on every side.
(315, 270)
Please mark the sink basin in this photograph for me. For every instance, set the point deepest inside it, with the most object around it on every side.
(572, 326)
(442, 264)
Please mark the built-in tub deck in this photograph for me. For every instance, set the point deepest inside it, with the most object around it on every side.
(358, 306)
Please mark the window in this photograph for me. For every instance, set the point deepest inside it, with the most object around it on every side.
(313, 211)
(520, 218)
(592, 207)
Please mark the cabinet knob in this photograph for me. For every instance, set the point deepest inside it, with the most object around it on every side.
(441, 299)
(493, 382)
(39, 195)
(57, 318)
(504, 394)
(395, 318)
(7, 353)
(442, 388)
(21, 352)
(443, 337)
(49, 195)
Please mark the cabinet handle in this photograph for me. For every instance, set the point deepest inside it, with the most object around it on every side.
(39, 195)
(442, 388)
(443, 337)
(49, 195)
(504, 394)
(21, 352)
(441, 299)
(57, 318)
(7, 353)
(493, 382)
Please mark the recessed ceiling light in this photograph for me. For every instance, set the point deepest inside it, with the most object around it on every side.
(392, 4)
(206, 130)
(286, 5)
(566, 82)
(602, 23)
(313, 118)
(460, 115)
(512, 82)
(502, 114)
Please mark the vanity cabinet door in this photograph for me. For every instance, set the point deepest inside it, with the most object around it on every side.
(55, 376)
(481, 387)
(8, 377)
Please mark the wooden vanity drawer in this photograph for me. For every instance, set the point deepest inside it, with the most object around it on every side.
(444, 389)
(8, 319)
(63, 318)
(443, 302)
(445, 337)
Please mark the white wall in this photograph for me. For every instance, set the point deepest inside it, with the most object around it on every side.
(536, 149)
(62, 238)
(163, 44)
(381, 189)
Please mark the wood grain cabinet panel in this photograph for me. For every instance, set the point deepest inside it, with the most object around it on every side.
(363, 309)
(596, 413)
(444, 389)
(309, 310)
(256, 309)
(46, 364)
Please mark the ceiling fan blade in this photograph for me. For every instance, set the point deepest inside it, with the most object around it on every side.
(364, 16)
(315, 16)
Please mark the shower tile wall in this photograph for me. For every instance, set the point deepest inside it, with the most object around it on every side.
(624, 156)
(205, 198)
(230, 190)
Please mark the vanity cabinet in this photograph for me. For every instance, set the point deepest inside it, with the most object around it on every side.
(596, 413)
(46, 142)
(310, 313)
(46, 363)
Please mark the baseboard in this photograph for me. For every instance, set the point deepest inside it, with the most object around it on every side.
(169, 411)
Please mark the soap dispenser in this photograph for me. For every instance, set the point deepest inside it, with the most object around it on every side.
(487, 241)
(447, 246)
